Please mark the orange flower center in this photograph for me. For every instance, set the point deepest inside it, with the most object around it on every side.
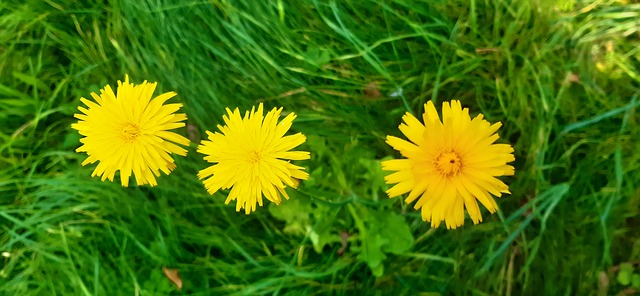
(130, 132)
(448, 163)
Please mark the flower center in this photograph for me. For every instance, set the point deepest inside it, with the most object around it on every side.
(130, 132)
(448, 163)
(254, 156)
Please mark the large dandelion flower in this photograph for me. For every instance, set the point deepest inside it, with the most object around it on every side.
(251, 156)
(449, 165)
(130, 132)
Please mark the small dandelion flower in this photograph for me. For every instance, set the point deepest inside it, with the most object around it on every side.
(252, 157)
(130, 132)
(449, 165)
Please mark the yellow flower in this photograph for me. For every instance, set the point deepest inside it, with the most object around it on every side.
(129, 132)
(252, 157)
(449, 164)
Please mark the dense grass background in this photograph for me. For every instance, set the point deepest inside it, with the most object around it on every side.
(562, 76)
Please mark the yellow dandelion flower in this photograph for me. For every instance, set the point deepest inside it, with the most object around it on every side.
(251, 156)
(130, 132)
(449, 165)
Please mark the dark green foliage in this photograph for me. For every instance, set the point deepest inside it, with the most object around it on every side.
(562, 77)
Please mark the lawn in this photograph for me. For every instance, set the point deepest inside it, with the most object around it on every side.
(563, 78)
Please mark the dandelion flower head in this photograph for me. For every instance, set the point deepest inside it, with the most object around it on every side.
(251, 155)
(449, 165)
(129, 131)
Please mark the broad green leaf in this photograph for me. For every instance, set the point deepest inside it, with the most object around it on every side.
(385, 232)
(317, 56)
(295, 213)
(158, 282)
(71, 140)
(31, 80)
(395, 229)
(377, 270)
(624, 275)
(324, 232)
(635, 280)
(371, 252)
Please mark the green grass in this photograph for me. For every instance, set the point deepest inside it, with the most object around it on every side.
(562, 76)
